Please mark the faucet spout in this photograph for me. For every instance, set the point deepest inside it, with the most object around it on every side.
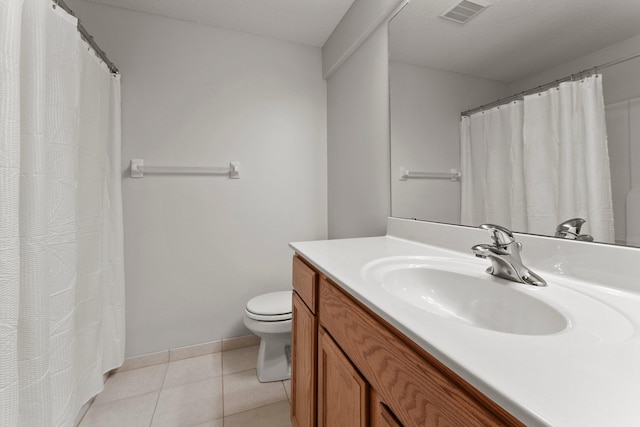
(504, 255)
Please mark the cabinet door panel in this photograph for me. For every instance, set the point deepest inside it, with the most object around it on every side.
(303, 365)
(342, 392)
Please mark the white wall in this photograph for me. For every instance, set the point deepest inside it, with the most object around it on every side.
(358, 142)
(621, 88)
(356, 58)
(425, 136)
(197, 248)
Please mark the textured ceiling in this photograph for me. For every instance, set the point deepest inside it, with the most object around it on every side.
(303, 21)
(512, 39)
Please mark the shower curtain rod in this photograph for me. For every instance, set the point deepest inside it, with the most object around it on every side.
(520, 95)
(88, 37)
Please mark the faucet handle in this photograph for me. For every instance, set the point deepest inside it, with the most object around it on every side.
(572, 226)
(501, 236)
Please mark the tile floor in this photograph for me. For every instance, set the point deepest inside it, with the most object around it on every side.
(214, 390)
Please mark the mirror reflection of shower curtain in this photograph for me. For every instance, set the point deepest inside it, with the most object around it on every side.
(532, 164)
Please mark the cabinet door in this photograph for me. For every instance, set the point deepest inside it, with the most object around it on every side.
(342, 392)
(381, 415)
(303, 365)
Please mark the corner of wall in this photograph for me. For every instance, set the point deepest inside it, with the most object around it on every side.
(360, 21)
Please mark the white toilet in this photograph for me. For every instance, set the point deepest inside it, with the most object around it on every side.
(269, 317)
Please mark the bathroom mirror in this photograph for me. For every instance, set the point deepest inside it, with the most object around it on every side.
(440, 68)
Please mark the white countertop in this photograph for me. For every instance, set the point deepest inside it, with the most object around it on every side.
(586, 375)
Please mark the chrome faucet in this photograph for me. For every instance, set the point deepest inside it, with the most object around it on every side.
(570, 229)
(504, 255)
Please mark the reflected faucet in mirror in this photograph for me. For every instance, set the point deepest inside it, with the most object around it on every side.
(504, 255)
(570, 229)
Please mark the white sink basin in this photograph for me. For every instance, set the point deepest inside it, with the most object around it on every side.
(463, 291)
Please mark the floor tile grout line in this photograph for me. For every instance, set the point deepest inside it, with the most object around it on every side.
(127, 372)
(258, 407)
(122, 398)
(286, 396)
(222, 382)
(193, 382)
(155, 407)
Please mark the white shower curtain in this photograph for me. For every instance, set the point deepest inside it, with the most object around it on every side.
(61, 256)
(532, 164)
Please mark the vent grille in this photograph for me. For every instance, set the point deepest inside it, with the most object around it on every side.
(464, 11)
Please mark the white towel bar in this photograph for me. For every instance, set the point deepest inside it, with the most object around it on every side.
(405, 173)
(138, 170)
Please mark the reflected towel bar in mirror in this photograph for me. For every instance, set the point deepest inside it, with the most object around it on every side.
(405, 173)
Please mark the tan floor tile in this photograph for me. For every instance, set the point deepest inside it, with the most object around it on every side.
(240, 359)
(132, 383)
(187, 398)
(242, 392)
(215, 423)
(193, 370)
(190, 404)
(273, 415)
(287, 388)
(131, 412)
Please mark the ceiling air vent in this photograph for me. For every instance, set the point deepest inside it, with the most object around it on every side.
(463, 11)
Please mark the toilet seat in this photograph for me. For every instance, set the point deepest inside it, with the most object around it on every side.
(271, 307)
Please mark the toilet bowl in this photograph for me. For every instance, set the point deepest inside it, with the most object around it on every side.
(269, 317)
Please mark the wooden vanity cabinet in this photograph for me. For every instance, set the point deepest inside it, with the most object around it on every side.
(369, 374)
(304, 335)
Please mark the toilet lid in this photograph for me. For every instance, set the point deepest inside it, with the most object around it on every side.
(272, 306)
